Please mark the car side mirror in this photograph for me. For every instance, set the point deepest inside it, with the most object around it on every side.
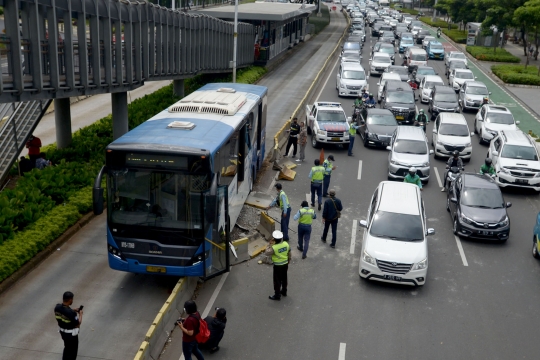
(362, 223)
(388, 148)
(476, 77)
(430, 231)
(431, 152)
(495, 153)
(489, 93)
(517, 122)
(453, 200)
(508, 204)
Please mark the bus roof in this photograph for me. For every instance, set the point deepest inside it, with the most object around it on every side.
(210, 132)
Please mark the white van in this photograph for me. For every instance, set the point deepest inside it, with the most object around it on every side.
(416, 57)
(351, 79)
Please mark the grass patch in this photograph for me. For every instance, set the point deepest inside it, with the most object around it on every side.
(489, 54)
(517, 74)
(459, 36)
(320, 22)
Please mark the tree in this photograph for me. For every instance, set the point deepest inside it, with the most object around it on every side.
(528, 16)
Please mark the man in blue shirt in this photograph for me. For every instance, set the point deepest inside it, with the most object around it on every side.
(370, 100)
(282, 201)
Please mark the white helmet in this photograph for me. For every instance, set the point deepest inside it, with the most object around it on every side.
(412, 170)
(277, 234)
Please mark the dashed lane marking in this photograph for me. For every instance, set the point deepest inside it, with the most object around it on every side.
(359, 169)
(461, 252)
(353, 236)
(438, 177)
(342, 347)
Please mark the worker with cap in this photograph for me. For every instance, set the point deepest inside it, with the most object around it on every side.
(317, 176)
(328, 167)
(280, 252)
(305, 217)
(282, 201)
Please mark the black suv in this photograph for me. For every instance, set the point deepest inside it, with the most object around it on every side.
(375, 28)
(377, 126)
(398, 97)
(443, 99)
(477, 208)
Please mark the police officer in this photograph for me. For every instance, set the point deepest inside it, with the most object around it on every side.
(280, 252)
(328, 167)
(352, 135)
(69, 321)
(283, 202)
(305, 217)
(317, 176)
(413, 178)
(293, 137)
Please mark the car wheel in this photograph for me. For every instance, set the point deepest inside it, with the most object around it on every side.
(455, 227)
(314, 141)
(535, 253)
(447, 204)
(475, 126)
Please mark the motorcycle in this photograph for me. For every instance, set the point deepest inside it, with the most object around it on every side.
(438, 33)
(421, 124)
(356, 113)
(453, 173)
(369, 106)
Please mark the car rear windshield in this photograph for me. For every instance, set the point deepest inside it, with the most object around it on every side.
(477, 90)
(436, 47)
(446, 97)
(406, 41)
(425, 71)
(381, 119)
(402, 97)
(418, 57)
(410, 147)
(351, 46)
(519, 152)
(454, 130)
(402, 227)
(354, 75)
(500, 118)
(399, 70)
(382, 59)
(482, 198)
(459, 56)
(387, 50)
(464, 75)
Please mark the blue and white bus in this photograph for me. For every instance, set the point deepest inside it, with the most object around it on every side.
(177, 182)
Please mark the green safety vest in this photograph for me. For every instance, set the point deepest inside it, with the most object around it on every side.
(281, 253)
(279, 200)
(317, 173)
(328, 167)
(352, 129)
(306, 216)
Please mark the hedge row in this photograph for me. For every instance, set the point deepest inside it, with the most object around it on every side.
(64, 190)
(438, 23)
(459, 36)
(488, 54)
(517, 74)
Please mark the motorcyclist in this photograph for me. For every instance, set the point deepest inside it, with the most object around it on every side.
(421, 117)
(454, 161)
(487, 168)
(370, 100)
(439, 31)
(413, 178)
(364, 95)
(358, 101)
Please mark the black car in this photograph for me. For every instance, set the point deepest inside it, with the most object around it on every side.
(420, 71)
(398, 97)
(421, 36)
(443, 99)
(399, 29)
(403, 71)
(375, 28)
(377, 126)
(477, 208)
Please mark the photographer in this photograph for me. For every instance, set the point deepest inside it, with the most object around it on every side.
(69, 322)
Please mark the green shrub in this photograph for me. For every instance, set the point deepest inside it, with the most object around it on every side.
(517, 74)
(438, 23)
(409, 11)
(320, 22)
(488, 54)
(459, 36)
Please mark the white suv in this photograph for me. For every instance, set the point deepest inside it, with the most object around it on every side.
(394, 246)
(451, 133)
(351, 79)
(515, 158)
(491, 119)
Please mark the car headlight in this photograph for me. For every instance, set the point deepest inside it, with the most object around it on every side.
(341, 85)
(464, 219)
(426, 164)
(537, 175)
(504, 222)
(492, 132)
(439, 142)
(505, 170)
(372, 136)
(321, 132)
(367, 258)
(421, 265)
(468, 145)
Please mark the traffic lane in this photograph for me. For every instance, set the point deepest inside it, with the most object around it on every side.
(118, 306)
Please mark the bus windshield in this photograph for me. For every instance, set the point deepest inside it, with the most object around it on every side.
(158, 199)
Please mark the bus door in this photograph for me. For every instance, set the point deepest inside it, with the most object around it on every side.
(217, 245)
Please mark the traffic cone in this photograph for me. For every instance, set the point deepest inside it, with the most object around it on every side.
(321, 156)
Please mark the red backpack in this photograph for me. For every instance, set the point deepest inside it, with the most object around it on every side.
(202, 333)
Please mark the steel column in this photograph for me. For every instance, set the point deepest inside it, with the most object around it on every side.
(119, 114)
(62, 122)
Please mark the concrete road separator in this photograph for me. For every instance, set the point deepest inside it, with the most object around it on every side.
(461, 252)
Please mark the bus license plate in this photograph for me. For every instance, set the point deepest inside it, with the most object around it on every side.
(335, 139)
(400, 118)
(392, 277)
(156, 269)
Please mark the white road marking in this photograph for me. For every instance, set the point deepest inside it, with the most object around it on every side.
(342, 347)
(438, 177)
(326, 81)
(461, 252)
(359, 169)
(353, 236)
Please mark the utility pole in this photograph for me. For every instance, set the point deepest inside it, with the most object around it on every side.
(235, 44)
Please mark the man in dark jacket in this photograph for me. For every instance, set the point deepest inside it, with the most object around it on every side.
(331, 213)
(216, 325)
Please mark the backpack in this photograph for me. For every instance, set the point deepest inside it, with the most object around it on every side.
(202, 333)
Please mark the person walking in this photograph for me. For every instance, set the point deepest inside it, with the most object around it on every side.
(282, 201)
(293, 137)
(280, 252)
(302, 141)
(190, 329)
(34, 148)
(216, 325)
(331, 213)
(328, 167)
(352, 135)
(317, 176)
(305, 217)
(69, 322)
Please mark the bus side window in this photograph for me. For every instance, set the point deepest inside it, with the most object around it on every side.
(228, 159)
(259, 126)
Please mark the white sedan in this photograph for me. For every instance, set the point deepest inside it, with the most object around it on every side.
(426, 40)
(458, 77)
(426, 86)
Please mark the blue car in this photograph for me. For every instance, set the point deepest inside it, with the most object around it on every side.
(435, 50)
(536, 238)
(405, 43)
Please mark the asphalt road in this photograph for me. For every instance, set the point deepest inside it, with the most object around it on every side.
(481, 304)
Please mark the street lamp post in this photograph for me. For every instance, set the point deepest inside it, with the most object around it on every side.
(235, 44)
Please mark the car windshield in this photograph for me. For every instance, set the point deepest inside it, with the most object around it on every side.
(399, 70)
(351, 46)
(457, 64)
(387, 50)
(425, 71)
(464, 75)
(382, 59)
(354, 75)
(406, 41)
(454, 130)
(403, 97)
(410, 147)
(381, 119)
(418, 57)
(482, 198)
(500, 118)
(446, 97)
(519, 152)
(436, 47)
(477, 90)
(402, 227)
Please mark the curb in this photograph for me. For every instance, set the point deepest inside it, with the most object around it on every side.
(45, 253)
